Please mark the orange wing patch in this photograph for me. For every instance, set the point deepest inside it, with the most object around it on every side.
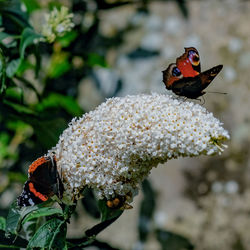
(37, 194)
(189, 62)
(37, 163)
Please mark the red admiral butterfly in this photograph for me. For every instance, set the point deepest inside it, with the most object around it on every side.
(43, 183)
(185, 78)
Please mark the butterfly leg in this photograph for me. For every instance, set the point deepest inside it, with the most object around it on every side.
(202, 99)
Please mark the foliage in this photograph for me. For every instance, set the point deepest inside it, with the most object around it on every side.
(28, 223)
(50, 234)
(38, 97)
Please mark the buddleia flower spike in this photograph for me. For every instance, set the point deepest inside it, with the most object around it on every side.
(113, 148)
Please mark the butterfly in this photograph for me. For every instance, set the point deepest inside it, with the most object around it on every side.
(185, 78)
(43, 182)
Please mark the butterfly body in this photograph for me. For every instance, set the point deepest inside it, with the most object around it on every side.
(184, 77)
(43, 182)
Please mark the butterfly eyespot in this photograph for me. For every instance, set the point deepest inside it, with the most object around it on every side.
(176, 72)
(194, 57)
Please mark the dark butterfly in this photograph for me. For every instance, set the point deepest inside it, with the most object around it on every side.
(185, 78)
(43, 182)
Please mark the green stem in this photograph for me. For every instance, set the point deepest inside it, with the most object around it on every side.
(68, 210)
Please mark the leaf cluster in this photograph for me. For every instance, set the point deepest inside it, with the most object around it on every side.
(45, 226)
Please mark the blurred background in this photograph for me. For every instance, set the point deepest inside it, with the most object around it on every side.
(119, 48)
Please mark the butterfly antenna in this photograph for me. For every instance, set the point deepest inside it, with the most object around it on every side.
(216, 92)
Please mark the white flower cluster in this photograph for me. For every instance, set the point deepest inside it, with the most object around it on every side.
(113, 148)
(58, 22)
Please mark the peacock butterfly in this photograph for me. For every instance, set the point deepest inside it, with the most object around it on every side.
(185, 78)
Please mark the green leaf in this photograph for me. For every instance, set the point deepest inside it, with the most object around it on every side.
(59, 64)
(68, 210)
(2, 223)
(31, 5)
(50, 235)
(38, 57)
(95, 59)
(67, 38)
(13, 219)
(19, 108)
(4, 35)
(14, 94)
(31, 226)
(44, 211)
(17, 125)
(15, 216)
(24, 65)
(14, 20)
(47, 127)
(53, 100)
(16, 177)
(12, 241)
(90, 203)
(48, 131)
(2, 72)
(172, 241)
(4, 150)
(54, 4)
(12, 67)
(4, 138)
(28, 38)
(11, 43)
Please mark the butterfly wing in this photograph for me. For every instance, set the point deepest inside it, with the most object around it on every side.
(189, 87)
(187, 65)
(45, 172)
(192, 87)
(185, 77)
(207, 76)
(171, 75)
(31, 196)
(43, 182)
(189, 62)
